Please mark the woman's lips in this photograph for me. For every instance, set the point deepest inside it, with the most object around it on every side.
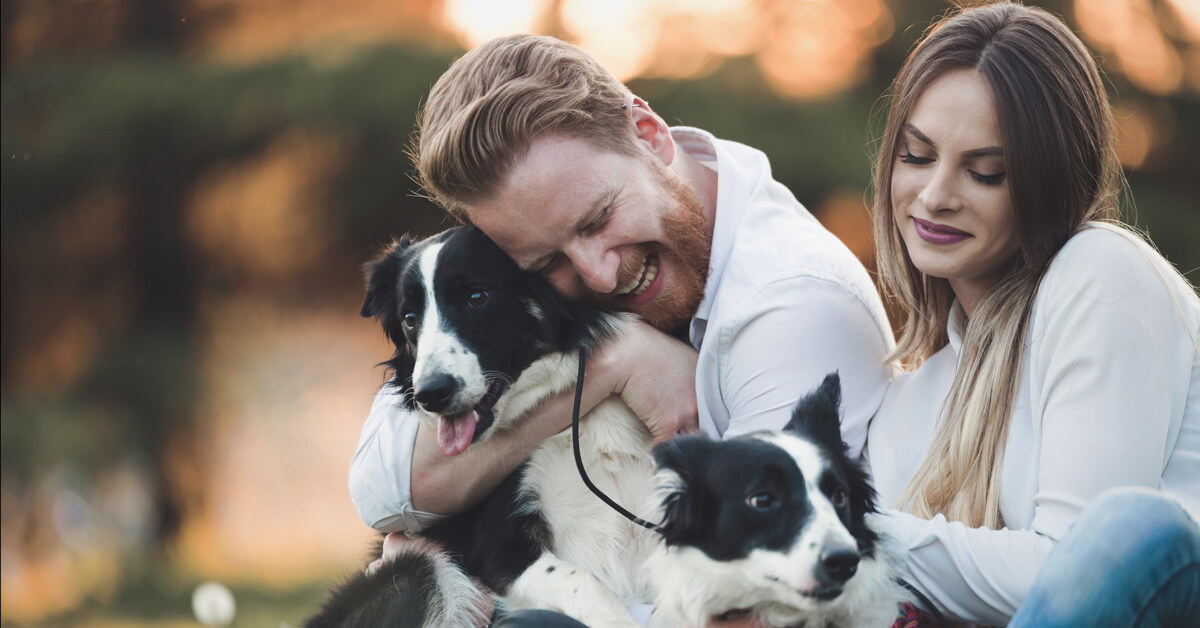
(939, 234)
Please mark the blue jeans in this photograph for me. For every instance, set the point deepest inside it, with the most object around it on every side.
(1131, 559)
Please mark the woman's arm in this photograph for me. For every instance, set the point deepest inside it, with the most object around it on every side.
(1107, 374)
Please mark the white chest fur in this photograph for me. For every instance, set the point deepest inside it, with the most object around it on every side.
(615, 447)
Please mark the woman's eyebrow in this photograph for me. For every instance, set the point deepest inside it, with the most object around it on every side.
(915, 132)
(984, 152)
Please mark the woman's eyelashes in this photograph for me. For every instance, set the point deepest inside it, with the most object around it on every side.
(988, 179)
(908, 157)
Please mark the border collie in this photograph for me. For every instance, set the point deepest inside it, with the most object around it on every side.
(771, 524)
(478, 344)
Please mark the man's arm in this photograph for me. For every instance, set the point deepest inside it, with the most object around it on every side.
(783, 343)
(399, 476)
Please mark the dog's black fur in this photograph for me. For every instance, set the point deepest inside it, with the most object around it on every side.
(721, 474)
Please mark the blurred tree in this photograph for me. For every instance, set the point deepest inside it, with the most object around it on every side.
(149, 127)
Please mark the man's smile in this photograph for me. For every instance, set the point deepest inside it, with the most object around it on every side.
(641, 281)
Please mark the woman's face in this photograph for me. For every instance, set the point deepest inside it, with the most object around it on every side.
(950, 196)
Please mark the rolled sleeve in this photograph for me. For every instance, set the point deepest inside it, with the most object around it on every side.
(380, 472)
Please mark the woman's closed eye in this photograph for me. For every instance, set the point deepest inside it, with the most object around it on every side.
(988, 179)
(909, 158)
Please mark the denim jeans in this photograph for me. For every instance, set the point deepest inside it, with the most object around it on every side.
(1131, 559)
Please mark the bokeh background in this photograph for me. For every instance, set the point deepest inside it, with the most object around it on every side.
(190, 188)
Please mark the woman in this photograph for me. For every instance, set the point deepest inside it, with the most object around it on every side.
(1053, 353)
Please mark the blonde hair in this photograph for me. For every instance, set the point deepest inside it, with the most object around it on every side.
(1062, 171)
(486, 110)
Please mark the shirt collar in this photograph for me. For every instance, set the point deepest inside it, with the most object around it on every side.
(704, 148)
(955, 326)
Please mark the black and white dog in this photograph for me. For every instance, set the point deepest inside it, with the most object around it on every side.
(771, 524)
(478, 344)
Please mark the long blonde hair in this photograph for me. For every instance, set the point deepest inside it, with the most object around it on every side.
(1062, 171)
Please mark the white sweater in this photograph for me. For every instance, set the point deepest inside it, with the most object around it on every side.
(1109, 396)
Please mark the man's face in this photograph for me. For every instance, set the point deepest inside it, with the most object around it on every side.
(623, 232)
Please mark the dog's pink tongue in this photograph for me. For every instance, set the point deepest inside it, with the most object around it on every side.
(455, 433)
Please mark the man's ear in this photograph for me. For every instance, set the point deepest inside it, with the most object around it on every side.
(383, 276)
(651, 130)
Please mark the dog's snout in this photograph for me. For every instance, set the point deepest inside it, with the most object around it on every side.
(839, 564)
(435, 393)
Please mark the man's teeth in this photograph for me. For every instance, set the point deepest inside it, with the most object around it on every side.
(639, 284)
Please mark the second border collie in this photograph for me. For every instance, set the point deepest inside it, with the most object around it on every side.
(772, 524)
(478, 344)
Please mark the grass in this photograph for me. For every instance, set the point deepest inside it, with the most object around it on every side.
(165, 601)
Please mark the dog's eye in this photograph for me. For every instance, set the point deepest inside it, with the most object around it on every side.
(477, 298)
(762, 501)
(839, 499)
(410, 320)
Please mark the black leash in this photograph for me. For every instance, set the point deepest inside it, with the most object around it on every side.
(933, 610)
(579, 458)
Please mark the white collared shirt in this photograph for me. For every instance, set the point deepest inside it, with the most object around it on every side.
(1109, 396)
(785, 304)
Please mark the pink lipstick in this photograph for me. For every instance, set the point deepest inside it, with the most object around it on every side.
(939, 234)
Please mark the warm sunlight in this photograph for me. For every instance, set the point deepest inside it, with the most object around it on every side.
(806, 50)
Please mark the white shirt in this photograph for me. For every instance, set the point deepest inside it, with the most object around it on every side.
(785, 304)
(1109, 396)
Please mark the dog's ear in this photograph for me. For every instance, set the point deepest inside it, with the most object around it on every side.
(383, 279)
(816, 414)
(382, 302)
(563, 322)
(681, 464)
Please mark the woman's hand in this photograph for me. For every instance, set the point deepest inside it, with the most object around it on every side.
(655, 376)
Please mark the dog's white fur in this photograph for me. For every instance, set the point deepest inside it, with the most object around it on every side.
(440, 350)
(461, 602)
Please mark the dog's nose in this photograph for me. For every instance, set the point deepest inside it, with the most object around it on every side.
(434, 393)
(839, 564)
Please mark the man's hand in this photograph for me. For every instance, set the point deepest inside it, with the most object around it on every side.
(394, 543)
(655, 376)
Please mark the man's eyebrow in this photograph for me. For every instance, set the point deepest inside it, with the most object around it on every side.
(603, 199)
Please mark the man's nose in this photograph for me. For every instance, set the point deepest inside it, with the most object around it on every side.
(595, 265)
(941, 192)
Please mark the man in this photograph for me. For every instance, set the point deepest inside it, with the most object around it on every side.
(576, 178)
